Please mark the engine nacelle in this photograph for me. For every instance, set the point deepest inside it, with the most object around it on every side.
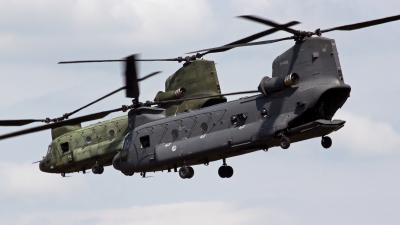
(171, 95)
(270, 85)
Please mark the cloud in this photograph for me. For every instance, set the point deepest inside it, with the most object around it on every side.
(176, 213)
(26, 181)
(366, 137)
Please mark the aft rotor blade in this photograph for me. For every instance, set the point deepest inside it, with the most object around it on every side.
(73, 121)
(269, 23)
(243, 45)
(360, 25)
(251, 38)
(148, 76)
(18, 122)
(206, 96)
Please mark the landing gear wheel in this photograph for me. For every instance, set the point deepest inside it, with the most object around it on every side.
(63, 174)
(229, 171)
(97, 169)
(191, 174)
(222, 171)
(285, 142)
(326, 142)
(184, 172)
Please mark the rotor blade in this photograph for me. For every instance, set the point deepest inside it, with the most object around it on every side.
(105, 96)
(76, 120)
(18, 122)
(37, 162)
(360, 25)
(269, 23)
(252, 37)
(244, 44)
(178, 59)
(148, 76)
(205, 96)
(131, 80)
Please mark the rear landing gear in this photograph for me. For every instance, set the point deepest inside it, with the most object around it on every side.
(97, 169)
(186, 172)
(225, 171)
(326, 142)
(63, 174)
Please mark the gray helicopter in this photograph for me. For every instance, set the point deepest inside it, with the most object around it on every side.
(296, 104)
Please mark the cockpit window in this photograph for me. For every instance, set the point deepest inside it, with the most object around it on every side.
(49, 149)
(127, 141)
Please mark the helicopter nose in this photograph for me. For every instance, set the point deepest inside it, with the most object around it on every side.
(42, 167)
(116, 161)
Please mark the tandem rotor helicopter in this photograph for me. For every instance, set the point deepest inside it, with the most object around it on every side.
(297, 103)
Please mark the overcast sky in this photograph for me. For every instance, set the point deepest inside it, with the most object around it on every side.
(356, 181)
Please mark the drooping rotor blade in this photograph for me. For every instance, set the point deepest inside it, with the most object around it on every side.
(18, 122)
(269, 23)
(227, 47)
(73, 121)
(250, 38)
(360, 25)
(205, 96)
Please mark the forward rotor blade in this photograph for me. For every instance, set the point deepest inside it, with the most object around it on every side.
(269, 23)
(105, 96)
(178, 59)
(76, 120)
(227, 47)
(360, 25)
(205, 96)
(252, 37)
(18, 122)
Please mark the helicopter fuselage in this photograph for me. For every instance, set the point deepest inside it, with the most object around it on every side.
(299, 112)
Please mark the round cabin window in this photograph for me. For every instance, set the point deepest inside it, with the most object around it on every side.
(111, 133)
(88, 139)
(233, 120)
(203, 127)
(264, 112)
(174, 134)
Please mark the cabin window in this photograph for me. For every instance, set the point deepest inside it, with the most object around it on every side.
(88, 139)
(204, 127)
(64, 147)
(144, 141)
(111, 133)
(174, 134)
(263, 112)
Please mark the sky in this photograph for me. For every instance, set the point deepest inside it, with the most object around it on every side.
(356, 181)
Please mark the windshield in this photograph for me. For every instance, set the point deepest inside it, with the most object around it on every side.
(127, 141)
(49, 149)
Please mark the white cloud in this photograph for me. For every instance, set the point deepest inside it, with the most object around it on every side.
(26, 181)
(176, 213)
(365, 136)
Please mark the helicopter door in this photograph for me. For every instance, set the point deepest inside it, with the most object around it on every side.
(66, 152)
(143, 150)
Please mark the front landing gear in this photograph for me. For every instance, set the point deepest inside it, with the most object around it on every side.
(326, 142)
(225, 171)
(97, 169)
(186, 172)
